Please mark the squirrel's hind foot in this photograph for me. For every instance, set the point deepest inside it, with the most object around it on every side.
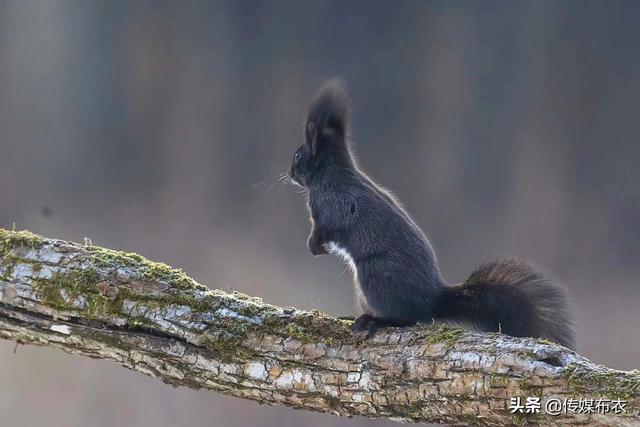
(371, 324)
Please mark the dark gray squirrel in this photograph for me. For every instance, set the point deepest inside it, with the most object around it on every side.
(397, 281)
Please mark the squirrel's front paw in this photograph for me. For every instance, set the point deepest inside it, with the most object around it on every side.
(315, 247)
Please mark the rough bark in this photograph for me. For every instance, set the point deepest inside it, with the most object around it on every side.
(156, 320)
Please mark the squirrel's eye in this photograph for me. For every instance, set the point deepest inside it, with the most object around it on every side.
(297, 157)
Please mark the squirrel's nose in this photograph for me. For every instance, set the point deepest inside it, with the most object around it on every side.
(291, 172)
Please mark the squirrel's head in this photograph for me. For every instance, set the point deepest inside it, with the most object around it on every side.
(326, 135)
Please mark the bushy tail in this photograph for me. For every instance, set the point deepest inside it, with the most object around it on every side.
(512, 296)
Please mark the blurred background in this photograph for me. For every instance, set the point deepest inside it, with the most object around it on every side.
(505, 127)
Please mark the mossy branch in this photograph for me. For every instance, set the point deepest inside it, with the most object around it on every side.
(156, 320)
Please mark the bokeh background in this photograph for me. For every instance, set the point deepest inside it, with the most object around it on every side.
(505, 127)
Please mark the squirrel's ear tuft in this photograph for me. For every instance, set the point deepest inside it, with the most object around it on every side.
(328, 114)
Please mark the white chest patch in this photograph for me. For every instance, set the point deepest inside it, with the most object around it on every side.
(342, 253)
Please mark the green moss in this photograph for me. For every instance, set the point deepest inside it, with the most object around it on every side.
(162, 272)
(226, 340)
(148, 270)
(36, 267)
(605, 382)
(252, 309)
(12, 239)
(546, 341)
(8, 270)
(245, 297)
(299, 332)
(446, 334)
(310, 327)
(182, 290)
(100, 306)
(63, 291)
(60, 290)
(224, 343)
(305, 327)
(209, 342)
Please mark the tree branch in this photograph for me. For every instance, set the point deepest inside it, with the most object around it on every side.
(156, 320)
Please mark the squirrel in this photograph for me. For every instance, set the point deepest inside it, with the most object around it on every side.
(397, 281)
